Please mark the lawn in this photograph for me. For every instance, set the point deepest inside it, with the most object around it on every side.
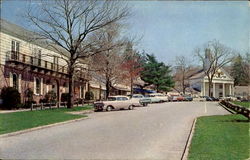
(11, 122)
(220, 137)
(243, 104)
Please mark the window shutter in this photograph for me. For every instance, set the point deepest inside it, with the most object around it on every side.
(35, 85)
(41, 86)
(11, 79)
(19, 83)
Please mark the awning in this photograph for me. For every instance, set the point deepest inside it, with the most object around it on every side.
(143, 90)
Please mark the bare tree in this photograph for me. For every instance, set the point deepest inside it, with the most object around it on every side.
(132, 64)
(69, 24)
(108, 63)
(213, 56)
(182, 72)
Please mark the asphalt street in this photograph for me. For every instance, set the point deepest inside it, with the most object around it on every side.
(159, 131)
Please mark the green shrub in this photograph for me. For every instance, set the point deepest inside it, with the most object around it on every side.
(89, 95)
(64, 97)
(29, 98)
(50, 97)
(11, 98)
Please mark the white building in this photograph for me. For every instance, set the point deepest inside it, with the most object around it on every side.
(223, 83)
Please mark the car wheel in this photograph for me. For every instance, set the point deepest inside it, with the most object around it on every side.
(145, 104)
(131, 107)
(109, 108)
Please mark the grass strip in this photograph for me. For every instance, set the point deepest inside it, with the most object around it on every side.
(220, 137)
(243, 104)
(11, 122)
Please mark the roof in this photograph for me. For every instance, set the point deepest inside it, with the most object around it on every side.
(29, 36)
(201, 74)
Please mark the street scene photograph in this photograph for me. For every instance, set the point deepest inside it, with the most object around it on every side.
(124, 80)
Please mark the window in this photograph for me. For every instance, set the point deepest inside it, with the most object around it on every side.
(220, 94)
(119, 98)
(15, 49)
(221, 86)
(55, 63)
(111, 99)
(38, 86)
(38, 55)
(15, 81)
(124, 98)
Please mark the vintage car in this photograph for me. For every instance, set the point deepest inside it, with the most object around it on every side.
(114, 102)
(161, 97)
(139, 100)
(153, 99)
(188, 98)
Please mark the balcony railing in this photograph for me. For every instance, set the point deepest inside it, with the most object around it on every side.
(34, 61)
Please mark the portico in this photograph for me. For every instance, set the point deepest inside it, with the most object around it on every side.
(222, 84)
(219, 89)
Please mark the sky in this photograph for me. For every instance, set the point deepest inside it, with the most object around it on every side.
(172, 28)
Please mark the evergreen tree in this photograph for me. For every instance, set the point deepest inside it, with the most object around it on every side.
(157, 73)
(239, 71)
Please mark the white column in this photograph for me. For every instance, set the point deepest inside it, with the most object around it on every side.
(47, 88)
(233, 89)
(41, 86)
(204, 88)
(35, 85)
(223, 89)
(230, 89)
(214, 90)
(11, 79)
(80, 91)
(19, 83)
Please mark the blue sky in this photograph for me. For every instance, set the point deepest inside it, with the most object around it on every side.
(171, 28)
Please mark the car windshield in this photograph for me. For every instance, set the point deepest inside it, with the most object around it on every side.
(111, 99)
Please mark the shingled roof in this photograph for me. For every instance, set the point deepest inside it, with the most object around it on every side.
(29, 36)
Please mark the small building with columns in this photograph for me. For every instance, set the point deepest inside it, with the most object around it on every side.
(223, 83)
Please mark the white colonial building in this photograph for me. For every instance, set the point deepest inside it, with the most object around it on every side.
(223, 83)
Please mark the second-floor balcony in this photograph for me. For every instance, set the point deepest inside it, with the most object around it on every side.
(34, 61)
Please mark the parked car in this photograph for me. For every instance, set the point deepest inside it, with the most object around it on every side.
(199, 99)
(160, 96)
(176, 98)
(139, 100)
(214, 99)
(207, 98)
(114, 102)
(180, 98)
(173, 98)
(153, 99)
(188, 98)
(231, 98)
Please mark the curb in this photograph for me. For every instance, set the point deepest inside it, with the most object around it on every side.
(188, 143)
(40, 127)
(227, 108)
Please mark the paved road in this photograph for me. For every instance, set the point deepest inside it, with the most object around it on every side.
(159, 131)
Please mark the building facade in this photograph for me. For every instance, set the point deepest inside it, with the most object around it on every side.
(223, 84)
(27, 64)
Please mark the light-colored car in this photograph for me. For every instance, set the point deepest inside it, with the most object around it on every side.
(153, 99)
(139, 100)
(114, 102)
(160, 96)
(231, 98)
(199, 99)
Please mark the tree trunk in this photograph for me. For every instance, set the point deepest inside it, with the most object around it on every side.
(70, 102)
(131, 85)
(107, 89)
(71, 94)
(209, 88)
(183, 86)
